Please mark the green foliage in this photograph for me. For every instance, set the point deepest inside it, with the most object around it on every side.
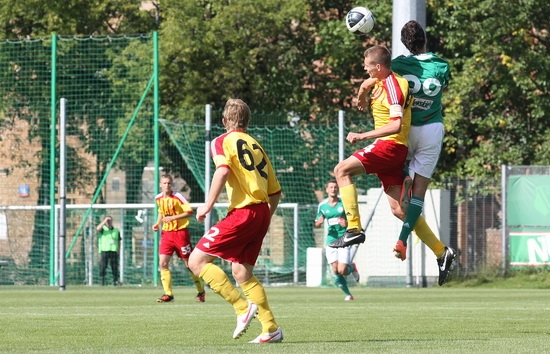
(216, 50)
(276, 55)
(35, 18)
(498, 102)
(516, 278)
(26, 85)
(297, 56)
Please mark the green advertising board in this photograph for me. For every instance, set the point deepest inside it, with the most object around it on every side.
(529, 248)
(528, 220)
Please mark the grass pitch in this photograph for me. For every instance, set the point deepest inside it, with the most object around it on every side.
(314, 320)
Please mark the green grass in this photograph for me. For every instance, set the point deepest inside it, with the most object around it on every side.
(314, 320)
(532, 278)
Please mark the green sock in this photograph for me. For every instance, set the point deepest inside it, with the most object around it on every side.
(406, 171)
(350, 269)
(341, 282)
(415, 209)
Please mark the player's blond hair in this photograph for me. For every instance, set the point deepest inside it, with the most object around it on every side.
(167, 176)
(379, 55)
(236, 114)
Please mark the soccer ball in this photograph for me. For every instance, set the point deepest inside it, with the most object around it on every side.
(360, 20)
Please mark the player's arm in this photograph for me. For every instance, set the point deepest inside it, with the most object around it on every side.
(171, 218)
(159, 220)
(343, 222)
(396, 112)
(273, 186)
(393, 127)
(319, 222)
(186, 212)
(274, 202)
(218, 183)
(364, 91)
(319, 219)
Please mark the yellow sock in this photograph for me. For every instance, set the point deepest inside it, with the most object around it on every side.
(427, 236)
(349, 199)
(219, 283)
(166, 280)
(255, 292)
(198, 282)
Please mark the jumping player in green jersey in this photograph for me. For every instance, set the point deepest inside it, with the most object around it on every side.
(428, 75)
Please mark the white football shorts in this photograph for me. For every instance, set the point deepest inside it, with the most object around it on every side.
(425, 143)
(342, 255)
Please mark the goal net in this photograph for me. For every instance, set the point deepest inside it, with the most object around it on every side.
(281, 261)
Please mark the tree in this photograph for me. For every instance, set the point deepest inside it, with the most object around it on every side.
(297, 56)
(38, 18)
(294, 55)
(497, 104)
(26, 82)
(214, 50)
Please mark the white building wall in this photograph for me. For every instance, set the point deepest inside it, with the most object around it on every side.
(374, 258)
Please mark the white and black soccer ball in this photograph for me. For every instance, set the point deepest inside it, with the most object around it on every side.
(360, 20)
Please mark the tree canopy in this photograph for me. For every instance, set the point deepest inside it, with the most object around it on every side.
(297, 56)
(498, 102)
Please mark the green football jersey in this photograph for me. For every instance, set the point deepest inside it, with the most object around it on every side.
(332, 216)
(428, 75)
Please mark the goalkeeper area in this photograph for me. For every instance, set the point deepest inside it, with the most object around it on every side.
(314, 320)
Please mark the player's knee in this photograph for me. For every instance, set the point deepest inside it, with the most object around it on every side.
(194, 266)
(401, 214)
(339, 170)
(398, 212)
(340, 270)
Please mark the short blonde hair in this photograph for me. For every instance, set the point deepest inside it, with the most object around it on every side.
(236, 114)
(379, 55)
(167, 176)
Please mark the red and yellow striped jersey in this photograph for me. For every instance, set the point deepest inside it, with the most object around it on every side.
(252, 179)
(386, 98)
(174, 204)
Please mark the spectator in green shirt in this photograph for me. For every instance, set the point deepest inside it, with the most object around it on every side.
(108, 244)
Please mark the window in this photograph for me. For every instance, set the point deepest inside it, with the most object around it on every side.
(115, 184)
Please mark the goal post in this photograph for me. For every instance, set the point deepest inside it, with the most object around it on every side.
(280, 261)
